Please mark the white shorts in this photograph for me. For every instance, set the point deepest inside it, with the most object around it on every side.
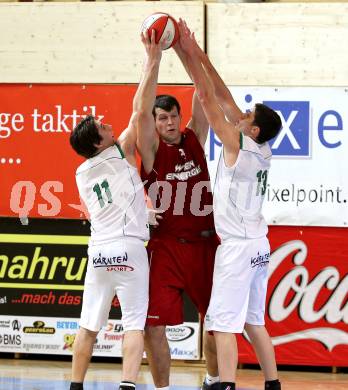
(119, 268)
(239, 285)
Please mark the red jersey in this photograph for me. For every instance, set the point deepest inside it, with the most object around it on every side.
(179, 184)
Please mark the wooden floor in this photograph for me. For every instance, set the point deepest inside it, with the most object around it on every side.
(20, 374)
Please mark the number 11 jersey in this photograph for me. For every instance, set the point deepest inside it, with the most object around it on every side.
(113, 193)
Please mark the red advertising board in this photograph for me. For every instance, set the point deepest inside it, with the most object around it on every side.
(37, 164)
(307, 300)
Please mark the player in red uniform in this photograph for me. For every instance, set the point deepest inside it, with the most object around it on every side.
(182, 247)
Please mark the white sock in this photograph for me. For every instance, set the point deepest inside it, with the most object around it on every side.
(162, 388)
(209, 380)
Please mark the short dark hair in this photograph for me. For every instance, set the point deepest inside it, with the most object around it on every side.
(268, 121)
(166, 102)
(84, 137)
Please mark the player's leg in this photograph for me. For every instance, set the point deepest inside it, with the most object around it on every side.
(82, 352)
(97, 297)
(132, 353)
(158, 354)
(132, 292)
(212, 378)
(165, 305)
(227, 356)
(228, 306)
(264, 350)
(254, 325)
(211, 381)
(198, 285)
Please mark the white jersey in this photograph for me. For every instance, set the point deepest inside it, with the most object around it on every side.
(113, 192)
(239, 192)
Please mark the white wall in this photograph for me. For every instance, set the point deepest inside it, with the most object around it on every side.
(278, 44)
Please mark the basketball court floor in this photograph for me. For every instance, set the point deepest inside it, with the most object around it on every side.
(24, 374)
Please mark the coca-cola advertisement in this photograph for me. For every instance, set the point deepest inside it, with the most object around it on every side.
(307, 300)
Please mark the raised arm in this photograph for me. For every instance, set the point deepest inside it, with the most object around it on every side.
(215, 115)
(222, 93)
(147, 139)
(128, 138)
(198, 122)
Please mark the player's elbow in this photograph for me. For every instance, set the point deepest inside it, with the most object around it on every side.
(142, 115)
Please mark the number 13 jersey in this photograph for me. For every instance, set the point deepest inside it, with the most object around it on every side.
(113, 193)
(239, 191)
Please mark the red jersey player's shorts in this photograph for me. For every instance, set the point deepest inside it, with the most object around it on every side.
(178, 265)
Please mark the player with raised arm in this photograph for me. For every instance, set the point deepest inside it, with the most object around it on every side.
(182, 247)
(240, 272)
(110, 186)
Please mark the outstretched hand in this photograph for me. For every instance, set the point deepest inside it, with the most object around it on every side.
(153, 49)
(187, 39)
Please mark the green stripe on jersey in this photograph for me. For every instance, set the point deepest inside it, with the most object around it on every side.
(119, 149)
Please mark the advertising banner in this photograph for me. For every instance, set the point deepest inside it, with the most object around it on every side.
(37, 163)
(307, 184)
(307, 307)
(308, 180)
(56, 336)
(42, 271)
(43, 263)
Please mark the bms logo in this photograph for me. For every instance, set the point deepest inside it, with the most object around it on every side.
(294, 137)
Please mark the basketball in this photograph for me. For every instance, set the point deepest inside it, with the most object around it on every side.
(165, 26)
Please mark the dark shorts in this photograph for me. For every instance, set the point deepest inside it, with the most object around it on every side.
(177, 266)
